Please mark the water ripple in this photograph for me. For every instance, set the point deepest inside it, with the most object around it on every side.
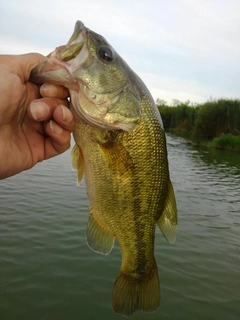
(47, 270)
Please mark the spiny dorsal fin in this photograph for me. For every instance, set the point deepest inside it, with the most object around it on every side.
(168, 219)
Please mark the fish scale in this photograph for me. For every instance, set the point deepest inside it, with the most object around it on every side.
(121, 150)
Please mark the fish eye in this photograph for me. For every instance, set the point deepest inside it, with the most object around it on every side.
(105, 53)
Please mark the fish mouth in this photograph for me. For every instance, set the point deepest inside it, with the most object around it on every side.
(63, 66)
(69, 65)
(61, 63)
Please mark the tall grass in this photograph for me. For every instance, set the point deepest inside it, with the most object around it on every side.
(208, 121)
(217, 117)
(226, 142)
(180, 118)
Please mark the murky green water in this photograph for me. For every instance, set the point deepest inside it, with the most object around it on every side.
(47, 271)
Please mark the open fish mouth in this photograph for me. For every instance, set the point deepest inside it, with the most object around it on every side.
(101, 94)
(74, 45)
(61, 64)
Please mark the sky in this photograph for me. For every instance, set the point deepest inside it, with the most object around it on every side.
(181, 49)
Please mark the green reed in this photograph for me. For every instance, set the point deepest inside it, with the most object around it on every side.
(212, 119)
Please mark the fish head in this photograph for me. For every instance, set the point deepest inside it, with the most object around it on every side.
(104, 91)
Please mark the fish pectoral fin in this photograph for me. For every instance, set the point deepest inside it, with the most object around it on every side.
(99, 238)
(168, 219)
(77, 162)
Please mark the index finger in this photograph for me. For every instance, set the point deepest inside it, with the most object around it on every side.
(54, 91)
(43, 109)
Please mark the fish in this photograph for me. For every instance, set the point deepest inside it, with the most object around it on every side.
(121, 152)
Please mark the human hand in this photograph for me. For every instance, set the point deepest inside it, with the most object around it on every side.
(33, 126)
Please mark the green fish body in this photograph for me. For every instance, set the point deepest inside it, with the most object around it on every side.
(121, 150)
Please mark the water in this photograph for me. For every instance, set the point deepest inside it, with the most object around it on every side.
(47, 271)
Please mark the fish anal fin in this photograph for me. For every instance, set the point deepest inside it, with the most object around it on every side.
(77, 162)
(168, 219)
(132, 292)
(99, 238)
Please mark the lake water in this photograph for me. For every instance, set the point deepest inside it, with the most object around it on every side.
(48, 272)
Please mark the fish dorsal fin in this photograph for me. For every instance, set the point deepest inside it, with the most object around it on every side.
(77, 162)
(99, 238)
(168, 219)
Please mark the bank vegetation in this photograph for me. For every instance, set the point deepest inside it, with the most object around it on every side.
(216, 122)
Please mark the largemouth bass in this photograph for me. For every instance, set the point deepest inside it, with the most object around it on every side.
(121, 150)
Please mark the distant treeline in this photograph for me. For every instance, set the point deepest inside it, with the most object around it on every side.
(208, 121)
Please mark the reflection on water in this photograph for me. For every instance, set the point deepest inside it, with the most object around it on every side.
(48, 272)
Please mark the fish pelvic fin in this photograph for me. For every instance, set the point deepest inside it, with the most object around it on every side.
(134, 292)
(168, 219)
(99, 238)
(77, 162)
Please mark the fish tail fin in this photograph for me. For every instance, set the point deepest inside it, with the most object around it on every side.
(134, 292)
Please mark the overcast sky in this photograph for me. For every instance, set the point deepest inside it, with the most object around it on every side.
(182, 49)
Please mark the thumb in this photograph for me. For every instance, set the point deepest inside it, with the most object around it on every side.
(27, 62)
(22, 64)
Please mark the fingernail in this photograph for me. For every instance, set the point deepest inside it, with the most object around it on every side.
(48, 90)
(39, 110)
(67, 114)
(55, 127)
